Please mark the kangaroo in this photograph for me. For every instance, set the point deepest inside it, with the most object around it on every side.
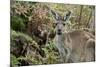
(73, 46)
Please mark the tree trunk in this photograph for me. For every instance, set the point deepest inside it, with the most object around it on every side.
(81, 8)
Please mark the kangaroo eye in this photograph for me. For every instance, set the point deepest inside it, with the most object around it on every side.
(55, 23)
(64, 24)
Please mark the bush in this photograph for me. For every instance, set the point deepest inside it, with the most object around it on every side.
(17, 23)
(14, 61)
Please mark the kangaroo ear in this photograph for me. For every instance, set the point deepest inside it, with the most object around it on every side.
(56, 15)
(67, 16)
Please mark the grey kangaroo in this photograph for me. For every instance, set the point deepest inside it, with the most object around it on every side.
(73, 46)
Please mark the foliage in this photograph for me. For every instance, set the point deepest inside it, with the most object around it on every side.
(31, 56)
(17, 23)
(19, 34)
(51, 53)
(14, 61)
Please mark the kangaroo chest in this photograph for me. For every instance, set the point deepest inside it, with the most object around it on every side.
(60, 42)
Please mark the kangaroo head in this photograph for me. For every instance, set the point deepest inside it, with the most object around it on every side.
(60, 21)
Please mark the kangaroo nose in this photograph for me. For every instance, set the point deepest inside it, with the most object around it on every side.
(59, 29)
(59, 32)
